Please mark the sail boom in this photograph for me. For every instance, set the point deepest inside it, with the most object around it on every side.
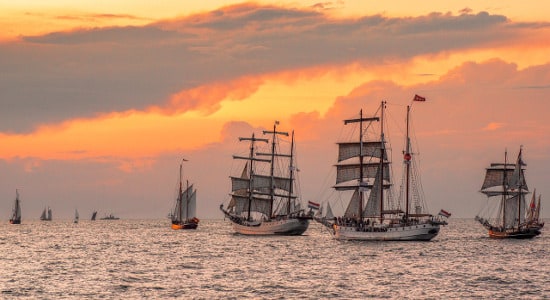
(275, 154)
(361, 120)
(254, 139)
(275, 132)
(251, 158)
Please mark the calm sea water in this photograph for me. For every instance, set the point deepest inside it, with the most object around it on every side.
(129, 259)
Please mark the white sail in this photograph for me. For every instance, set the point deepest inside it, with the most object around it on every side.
(515, 211)
(329, 215)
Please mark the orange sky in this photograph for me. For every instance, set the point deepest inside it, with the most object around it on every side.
(189, 117)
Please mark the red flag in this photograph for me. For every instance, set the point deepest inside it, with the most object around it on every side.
(419, 98)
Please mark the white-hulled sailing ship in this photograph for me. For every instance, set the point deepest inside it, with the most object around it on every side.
(46, 214)
(16, 213)
(506, 213)
(263, 197)
(184, 214)
(364, 169)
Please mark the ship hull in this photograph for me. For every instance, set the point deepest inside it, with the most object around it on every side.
(291, 226)
(518, 234)
(185, 225)
(419, 232)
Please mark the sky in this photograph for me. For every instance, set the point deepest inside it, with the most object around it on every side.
(101, 100)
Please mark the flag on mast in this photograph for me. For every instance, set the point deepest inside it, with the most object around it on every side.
(419, 98)
(444, 213)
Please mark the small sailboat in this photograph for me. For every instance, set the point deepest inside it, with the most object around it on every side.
(46, 214)
(533, 214)
(94, 215)
(110, 217)
(363, 170)
(16, 213)
(505, 185)
(76, 216)
(263, 199)
(184, 214)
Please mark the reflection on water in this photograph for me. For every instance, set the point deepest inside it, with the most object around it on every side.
(146, 259)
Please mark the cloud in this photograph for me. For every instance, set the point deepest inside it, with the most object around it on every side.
(493, 126)
(85, 72)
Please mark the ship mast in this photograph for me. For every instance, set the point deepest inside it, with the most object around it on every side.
(520, 183)
(251, 158)
(180, 200)
(504, 189)
(407, 168)
(382, 156)
(291, 170)
(361, 120)
(272, 170)
(187, 201)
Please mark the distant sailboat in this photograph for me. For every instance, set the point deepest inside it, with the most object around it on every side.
(46, 214)
(16, 213)
(110, 217)
(506, 186)
(265, 202)
(76, 216)
(533, 213)
(94, 215)
(184, 214)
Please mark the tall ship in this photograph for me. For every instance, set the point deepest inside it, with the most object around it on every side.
(264, 197)
(16, 213)
(506, 214)
(364, 176)
(184, 215)
(46, 214)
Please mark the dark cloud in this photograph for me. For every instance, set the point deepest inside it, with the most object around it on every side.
(85, 72)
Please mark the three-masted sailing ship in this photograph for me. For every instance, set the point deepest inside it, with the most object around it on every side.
(46, 214)
(184, 214)
(16, 213)
(264, 199)
(506, 210)
(364, 169)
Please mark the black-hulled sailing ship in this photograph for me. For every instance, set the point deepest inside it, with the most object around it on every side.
(46, 214)
(364, 171)
(263, 198)
(184, 214)
(505, 215)
(16, 212)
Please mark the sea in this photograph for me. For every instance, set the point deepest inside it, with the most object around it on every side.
(146, 259)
